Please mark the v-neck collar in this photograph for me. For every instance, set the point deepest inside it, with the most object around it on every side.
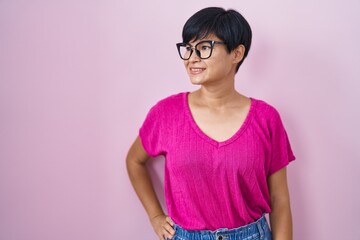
(206, 137)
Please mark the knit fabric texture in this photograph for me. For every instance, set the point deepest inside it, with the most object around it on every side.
(210, 184)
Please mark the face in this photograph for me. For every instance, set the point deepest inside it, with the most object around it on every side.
(219, 67)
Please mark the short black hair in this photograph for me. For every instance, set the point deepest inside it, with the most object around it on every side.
(228, 25)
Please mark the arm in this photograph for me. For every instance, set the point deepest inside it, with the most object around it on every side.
(280, 216)
(136, 166)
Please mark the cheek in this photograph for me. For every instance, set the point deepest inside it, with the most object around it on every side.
(224, 64)
(218, 65)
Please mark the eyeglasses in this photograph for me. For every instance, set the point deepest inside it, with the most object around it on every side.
(202, 49)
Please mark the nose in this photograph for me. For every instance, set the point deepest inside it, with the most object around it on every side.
(194, 57)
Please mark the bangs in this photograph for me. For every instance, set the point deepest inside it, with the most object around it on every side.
(198, 32)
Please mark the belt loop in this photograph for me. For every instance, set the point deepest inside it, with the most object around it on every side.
(259, 226)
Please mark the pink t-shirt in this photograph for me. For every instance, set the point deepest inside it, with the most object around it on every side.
(211, 184)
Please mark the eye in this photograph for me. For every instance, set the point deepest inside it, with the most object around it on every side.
(188, 49)
(204, 48)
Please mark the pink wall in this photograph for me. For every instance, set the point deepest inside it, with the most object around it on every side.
(78, 77)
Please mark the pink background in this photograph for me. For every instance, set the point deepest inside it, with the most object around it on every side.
(78, 77)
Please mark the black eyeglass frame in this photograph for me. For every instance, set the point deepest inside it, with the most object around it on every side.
(212, 43)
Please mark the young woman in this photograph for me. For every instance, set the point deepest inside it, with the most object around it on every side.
(226, 154)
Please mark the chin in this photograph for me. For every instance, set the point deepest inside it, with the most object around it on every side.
(197, 81)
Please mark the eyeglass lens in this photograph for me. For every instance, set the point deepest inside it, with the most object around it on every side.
(202, 49)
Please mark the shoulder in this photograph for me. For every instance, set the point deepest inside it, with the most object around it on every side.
(169, 104)
(171, 100)
(264, 110)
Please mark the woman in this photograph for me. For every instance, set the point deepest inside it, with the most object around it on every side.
(226, 154)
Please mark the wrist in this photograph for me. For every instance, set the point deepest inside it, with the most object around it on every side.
(154, 216)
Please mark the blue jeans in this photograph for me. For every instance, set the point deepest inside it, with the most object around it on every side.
(256, 230)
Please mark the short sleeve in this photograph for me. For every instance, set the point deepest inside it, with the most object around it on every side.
(281, 152)
(150, 132)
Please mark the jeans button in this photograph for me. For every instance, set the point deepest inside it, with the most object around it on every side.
(220, 238)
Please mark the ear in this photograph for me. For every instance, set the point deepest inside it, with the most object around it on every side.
(238, 53)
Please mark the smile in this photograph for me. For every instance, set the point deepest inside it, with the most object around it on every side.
(196, 70)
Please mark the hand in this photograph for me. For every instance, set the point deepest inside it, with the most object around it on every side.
(163, 226)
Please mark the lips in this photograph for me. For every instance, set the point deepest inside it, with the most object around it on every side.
(195, 71)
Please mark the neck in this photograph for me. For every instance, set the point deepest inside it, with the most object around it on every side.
(217, 96)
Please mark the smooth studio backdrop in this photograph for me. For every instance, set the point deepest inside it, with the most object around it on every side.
(78, 77)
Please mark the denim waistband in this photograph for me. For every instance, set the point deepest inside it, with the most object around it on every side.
(258, 228)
